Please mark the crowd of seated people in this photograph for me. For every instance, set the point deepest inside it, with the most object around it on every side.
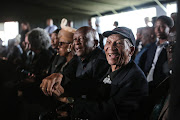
(65, 75)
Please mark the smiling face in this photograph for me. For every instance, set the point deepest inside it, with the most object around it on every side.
(118, 50)
(83, 42)
(161, 29)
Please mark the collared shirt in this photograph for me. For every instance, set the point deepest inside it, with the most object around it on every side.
(50, 29)
(157, 53)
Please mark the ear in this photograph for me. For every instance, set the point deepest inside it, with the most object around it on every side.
(132, 50)
(70, 46)
(95, 43)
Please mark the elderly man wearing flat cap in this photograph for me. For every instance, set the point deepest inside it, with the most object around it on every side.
(125, 82)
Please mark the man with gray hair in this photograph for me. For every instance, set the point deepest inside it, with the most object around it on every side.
(39, 43)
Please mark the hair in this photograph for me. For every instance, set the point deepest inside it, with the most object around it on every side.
(128, 42)
(167, 20)
(174, 14)
(39, 39)
(154, 20)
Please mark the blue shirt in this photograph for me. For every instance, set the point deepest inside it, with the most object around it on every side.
(139, 54)
(50, 29)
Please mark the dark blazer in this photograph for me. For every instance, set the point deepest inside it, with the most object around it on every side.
(159, 73)
(88, 73)
(40, 64)
(119, 100)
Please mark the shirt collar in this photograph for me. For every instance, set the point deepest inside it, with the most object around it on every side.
(90, 55)
(161, 45)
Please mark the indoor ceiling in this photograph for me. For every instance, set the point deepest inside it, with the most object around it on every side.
(68, 7)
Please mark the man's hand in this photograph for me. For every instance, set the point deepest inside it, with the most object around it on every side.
(52, 84)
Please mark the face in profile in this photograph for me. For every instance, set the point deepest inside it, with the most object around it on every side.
(27, 44)
(117, 50)
(161, 29)
(54, 40)
(64, 47)
(83, 42)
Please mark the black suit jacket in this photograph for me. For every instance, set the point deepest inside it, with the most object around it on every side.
(116, 101)
(56, 64)
(159, 71)
(88, 73)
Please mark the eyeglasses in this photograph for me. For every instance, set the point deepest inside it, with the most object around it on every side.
(63, 43)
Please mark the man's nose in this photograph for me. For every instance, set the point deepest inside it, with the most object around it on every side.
(77, 42)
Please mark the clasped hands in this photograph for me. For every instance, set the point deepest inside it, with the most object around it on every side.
(51, 85)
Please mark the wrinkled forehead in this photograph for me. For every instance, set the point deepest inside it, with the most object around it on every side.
(81, 32)
(160, 22)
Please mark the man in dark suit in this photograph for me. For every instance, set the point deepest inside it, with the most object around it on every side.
(156, 56)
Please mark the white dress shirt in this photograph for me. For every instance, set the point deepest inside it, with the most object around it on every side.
(151, 72)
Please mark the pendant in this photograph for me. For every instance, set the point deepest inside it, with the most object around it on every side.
(107, 80)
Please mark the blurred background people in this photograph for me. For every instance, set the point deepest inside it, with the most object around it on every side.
(115, 24)
(89, 22)
(156, 58)
(138, 39)
(50, 26)
(3, 49)
(147, 38)
(15, 51)
(54, 39)
(25, 27)
(173, 29)
(148, 22)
